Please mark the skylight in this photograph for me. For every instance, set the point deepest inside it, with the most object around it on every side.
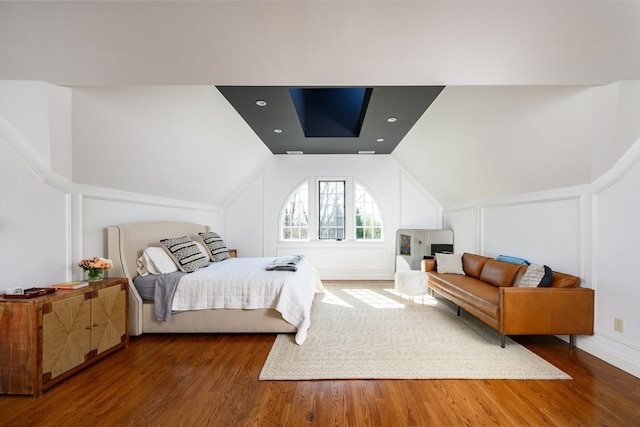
(331, 112)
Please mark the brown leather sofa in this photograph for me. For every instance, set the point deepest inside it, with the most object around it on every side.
(489, 291)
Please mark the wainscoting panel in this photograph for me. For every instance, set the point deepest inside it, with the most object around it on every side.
(346, 261)
(546, 231)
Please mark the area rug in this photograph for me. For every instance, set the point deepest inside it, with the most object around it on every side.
(372, 333)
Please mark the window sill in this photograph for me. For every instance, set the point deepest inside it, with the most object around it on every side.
(303, 243)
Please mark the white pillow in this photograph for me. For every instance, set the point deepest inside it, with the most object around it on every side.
(155, 260)
(449, 263)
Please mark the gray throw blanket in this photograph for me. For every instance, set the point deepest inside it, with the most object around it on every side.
(285, 263)
(160, 289)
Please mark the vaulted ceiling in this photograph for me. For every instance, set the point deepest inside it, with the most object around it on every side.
(495, 58)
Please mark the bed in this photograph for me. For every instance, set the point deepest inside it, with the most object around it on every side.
(264, 314)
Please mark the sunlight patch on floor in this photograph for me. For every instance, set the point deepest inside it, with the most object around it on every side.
(332, 299)
(422, 300)
(373, 299)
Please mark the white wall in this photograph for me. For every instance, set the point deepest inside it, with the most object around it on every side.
(615, 263)
(48, 223)
(180, 142)
(615, 124)
(403, 204)
(34, 226)
(532, 138)
(589, 231)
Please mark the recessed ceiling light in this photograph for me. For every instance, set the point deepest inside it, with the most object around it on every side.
(366, 152)
(391, 119)
(261, 103)
(277, 130)
(380, 139)
(295, 152)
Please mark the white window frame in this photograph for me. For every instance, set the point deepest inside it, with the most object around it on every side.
(282, 213)
(313, 184)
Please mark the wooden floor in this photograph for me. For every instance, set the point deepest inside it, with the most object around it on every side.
(212, 380)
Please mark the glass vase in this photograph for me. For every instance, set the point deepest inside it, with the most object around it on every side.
(95, 274)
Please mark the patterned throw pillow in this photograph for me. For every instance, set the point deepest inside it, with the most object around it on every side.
(536, 276)
(217, 249)
(449, 263)
(186, 253)
(532, 276)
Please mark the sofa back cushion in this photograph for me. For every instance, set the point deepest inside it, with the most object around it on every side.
(498, 273)
(562, 280)
(472, 264)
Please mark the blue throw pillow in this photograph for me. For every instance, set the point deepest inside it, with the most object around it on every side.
(512, 260)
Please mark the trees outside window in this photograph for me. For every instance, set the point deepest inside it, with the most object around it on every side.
(333, 209)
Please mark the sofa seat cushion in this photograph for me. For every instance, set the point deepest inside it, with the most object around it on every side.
(474, 292)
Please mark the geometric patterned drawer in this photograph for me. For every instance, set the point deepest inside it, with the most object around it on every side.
(66, 336)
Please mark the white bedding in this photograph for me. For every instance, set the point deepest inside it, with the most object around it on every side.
(243, 283)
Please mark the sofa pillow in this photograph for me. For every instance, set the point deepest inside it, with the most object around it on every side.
(155, 260)
(217, 249)
(532, 277)
(546, 280)
(512, 260)
(185, 253)
(449, 263)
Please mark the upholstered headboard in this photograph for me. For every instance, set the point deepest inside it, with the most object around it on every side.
(126, 242)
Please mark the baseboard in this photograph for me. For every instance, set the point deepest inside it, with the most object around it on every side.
(620, 361)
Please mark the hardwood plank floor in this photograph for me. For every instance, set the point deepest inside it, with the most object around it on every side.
(212, 380)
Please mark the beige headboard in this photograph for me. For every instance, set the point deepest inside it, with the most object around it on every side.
(126, 242)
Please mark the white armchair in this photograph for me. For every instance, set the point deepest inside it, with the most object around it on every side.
(410, 282)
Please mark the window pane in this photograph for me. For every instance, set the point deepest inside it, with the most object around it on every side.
(295, 219)
(368, 219)
(331, 209)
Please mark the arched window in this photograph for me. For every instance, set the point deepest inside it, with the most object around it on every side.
(332, 209)
(368, 219)
(295, 217)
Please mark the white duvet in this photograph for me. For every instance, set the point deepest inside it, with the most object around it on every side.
(243, 283)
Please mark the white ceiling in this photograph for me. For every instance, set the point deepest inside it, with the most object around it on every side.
(428, 42)
(482, 50)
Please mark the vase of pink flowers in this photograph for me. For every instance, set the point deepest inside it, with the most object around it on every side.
(95, 267)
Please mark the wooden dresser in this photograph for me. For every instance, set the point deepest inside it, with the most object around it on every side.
(45, 339)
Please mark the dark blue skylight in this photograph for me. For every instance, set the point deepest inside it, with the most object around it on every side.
(331, 112)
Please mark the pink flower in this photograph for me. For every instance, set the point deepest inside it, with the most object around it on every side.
(95, 263)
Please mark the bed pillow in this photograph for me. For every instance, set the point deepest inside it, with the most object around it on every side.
(154, 260)
(217, 249)
(204, 250)
(185, 253)
(449, 263)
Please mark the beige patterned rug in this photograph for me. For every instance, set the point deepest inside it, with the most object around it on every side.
(367, 333)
